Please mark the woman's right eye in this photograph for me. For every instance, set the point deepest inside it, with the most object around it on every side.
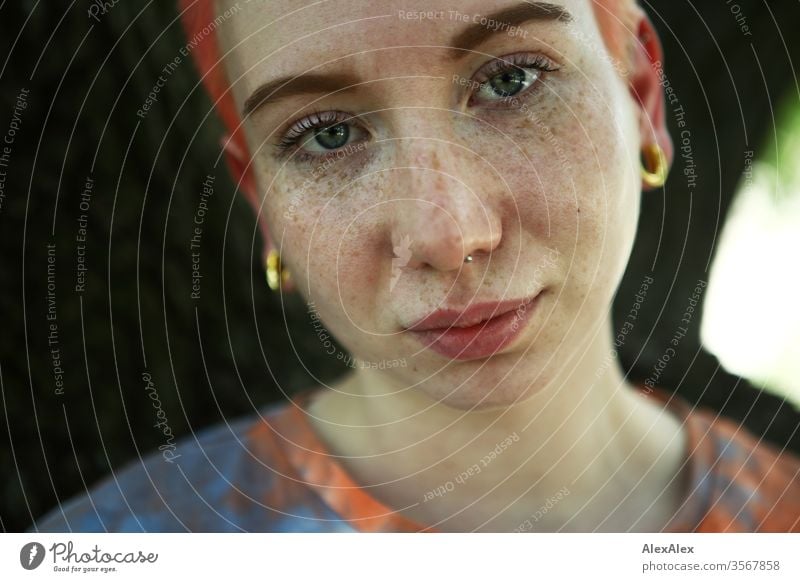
(322, 133)
(332, 138)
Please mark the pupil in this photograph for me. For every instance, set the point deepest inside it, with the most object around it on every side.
(509, 82)
(333, 137)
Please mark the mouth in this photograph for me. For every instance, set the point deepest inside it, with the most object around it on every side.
(477, 332)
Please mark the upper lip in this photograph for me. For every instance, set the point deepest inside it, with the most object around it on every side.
(472, 315)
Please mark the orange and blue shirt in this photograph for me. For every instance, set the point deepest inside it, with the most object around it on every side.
(270, 472)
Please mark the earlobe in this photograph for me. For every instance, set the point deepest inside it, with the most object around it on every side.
(647, 91)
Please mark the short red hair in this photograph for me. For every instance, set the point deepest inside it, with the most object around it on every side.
(616, 17)
(195, 16)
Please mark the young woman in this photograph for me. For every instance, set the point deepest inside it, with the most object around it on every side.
(453, 188)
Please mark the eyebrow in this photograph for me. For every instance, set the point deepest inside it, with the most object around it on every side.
(502, 20)
(487, 26)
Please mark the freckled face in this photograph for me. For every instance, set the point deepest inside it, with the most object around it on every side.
(379, 179)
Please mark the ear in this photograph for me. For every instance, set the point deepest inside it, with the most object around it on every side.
(239, 165)
(645, 85)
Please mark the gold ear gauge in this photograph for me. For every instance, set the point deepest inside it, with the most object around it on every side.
(654, 170)
(277, 275)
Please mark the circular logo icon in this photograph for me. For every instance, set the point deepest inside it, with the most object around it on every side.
(31, 555)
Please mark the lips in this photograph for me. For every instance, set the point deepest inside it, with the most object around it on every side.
(479, 331)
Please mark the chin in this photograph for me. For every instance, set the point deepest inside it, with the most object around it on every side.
(495, 386)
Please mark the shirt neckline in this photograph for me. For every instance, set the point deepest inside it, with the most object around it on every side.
(319, 470)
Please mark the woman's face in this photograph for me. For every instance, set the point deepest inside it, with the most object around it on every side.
(396, 143)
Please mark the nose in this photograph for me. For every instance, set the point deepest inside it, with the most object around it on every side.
(442, 214)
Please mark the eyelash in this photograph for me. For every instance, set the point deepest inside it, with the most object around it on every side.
(516, 61)
(318, 120)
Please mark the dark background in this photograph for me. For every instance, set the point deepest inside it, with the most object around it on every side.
(222, 355)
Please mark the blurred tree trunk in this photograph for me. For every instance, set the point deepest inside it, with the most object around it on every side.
(728, 83)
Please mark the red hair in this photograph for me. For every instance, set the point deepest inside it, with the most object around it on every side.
(195, 16)
(617, 18)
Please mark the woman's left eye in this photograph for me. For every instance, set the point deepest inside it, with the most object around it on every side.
(509, 77)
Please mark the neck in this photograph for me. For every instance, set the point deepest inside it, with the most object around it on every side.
(584, 453)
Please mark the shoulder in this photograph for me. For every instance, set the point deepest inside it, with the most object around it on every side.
(233, 476)
(751, 484)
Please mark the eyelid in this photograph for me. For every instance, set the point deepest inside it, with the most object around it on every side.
(523, 60)
(314, 120)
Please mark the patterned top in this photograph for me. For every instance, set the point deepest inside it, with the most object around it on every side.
(272, 473)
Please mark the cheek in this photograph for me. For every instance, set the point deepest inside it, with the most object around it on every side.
(567, 159)
(329, 236)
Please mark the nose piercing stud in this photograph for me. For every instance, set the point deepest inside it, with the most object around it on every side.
(468, 259)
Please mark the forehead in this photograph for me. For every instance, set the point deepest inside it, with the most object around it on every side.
(269, 38)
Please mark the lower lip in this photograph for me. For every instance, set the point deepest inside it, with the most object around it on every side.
(481, 340)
